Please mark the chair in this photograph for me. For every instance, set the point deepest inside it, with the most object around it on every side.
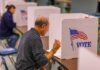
(7, 52)
(3, 42)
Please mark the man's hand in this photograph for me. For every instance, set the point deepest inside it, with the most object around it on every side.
(56, 45)
(43, 68)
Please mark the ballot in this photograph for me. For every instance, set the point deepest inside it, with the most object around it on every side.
(73, 30)
(34, 12)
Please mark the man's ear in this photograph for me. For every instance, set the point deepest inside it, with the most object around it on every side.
(43, 26)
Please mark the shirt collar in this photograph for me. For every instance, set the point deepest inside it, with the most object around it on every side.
(9, 12)
(33, 29)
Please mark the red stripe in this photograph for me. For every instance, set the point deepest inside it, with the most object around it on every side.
(81, 35)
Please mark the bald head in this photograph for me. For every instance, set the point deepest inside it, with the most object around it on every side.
(42, 25)
(41, 20)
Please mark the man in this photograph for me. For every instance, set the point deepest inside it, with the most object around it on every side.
(31, 55)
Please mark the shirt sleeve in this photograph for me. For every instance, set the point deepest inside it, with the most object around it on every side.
(38, 53)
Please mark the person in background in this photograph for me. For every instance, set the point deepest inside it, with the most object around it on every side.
(7, 25)
(30, 0)
(31, 55)
(52, 2)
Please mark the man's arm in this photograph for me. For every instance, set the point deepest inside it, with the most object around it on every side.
(56, 46)
(50, 54)
(43, 68)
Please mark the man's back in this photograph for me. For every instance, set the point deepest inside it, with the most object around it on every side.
(30, 52)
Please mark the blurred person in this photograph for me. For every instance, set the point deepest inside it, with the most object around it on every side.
(7, 25)
(31, 55)
(52, 2)
(29, 0)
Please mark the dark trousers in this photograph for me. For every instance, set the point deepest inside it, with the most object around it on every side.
(12, 40)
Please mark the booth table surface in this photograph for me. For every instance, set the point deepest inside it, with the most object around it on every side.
(71, 64)
(23, 29)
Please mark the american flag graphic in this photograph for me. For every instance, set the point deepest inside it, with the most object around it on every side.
(24, 14)
(75, 34)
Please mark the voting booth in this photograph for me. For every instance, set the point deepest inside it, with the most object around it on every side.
(7, 2)
(45, 42)
(3, 3)
(74, 30)
(34, 12)
(20, 16)
(1, 6)
(21, 13)
(88, 60)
